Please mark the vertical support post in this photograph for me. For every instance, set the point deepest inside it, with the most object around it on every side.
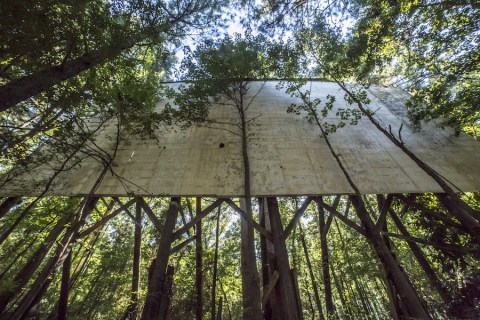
(198, 264)
(325, 257)
(156, 284)
(63, 301)
(285, 286)
(270, 308)
(250, 278)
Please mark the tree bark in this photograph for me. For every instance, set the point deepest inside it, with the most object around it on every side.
(157, 279)
(215, 265)
(64, 288)
(287, 303)
(132, 309)
(250, 278)
(422, 261)
(402, 285)
(325, 264)
(8, 204)
(312, 277)
(198, 265)
(46, 275)
(25, 273)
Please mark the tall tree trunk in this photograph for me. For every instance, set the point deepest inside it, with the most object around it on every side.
(132, 309)
(215, 265)
(198, 265)
(219, 310)
(268, 262)
(8, 204)
(288, 302)
(46, 275)
(4, 236)
(156, 283)
(422, 261)
(250, 278)
(81, 266)
(457, 207)
(325, 264)
(312, 277)
(389, 263)
(25, 273)
(402, 285)
(64, 288)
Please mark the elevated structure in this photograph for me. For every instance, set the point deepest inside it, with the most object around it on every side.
(288, 155)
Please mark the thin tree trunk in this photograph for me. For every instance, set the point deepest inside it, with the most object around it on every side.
(215, 265)
(250, 278)
(198, 265)
(219, 311)
(422, 261)
(457, 207)
(8, 204)
(403, 287)
(46, 275)
(78, 270)
(25, 273)
(64, 288)
(156, 283)
(325, 264)
(132, 309)
(312, 277)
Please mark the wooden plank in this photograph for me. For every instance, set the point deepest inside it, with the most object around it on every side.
(268, 290)
(297, 216)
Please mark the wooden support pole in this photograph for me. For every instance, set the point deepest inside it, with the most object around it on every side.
(330, 307)
(288, 302)
(198, 263)
(158, 275)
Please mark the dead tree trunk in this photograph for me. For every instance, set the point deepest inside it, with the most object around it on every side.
(158, 276)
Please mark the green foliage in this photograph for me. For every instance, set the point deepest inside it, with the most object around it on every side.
(220, 70)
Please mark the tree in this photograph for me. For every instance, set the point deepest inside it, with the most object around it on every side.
(224, 71)
(131, 23)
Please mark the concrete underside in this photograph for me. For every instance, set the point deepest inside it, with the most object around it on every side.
(288, 155)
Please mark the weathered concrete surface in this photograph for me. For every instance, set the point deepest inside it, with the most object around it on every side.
(288, 155)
